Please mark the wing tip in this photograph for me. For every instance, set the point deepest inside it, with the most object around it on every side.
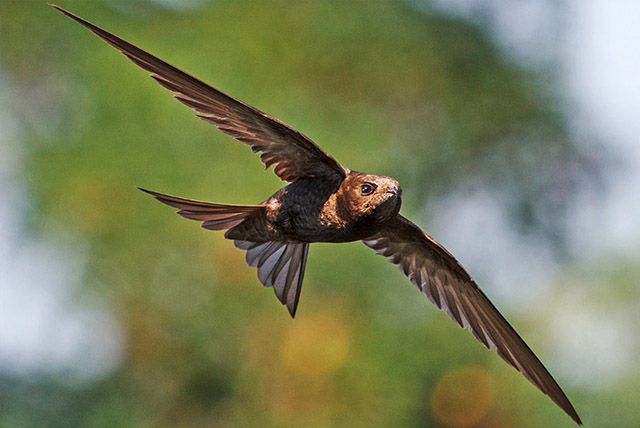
(568, 408)
(69, 14)
(576, 418)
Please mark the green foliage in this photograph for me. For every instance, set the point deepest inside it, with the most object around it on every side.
(380, 86)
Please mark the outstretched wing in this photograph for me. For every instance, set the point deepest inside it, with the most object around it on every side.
(448, 285)
(292, 154)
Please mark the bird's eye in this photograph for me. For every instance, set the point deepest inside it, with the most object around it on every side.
(367, 188)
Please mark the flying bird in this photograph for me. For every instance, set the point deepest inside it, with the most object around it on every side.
(325, 201)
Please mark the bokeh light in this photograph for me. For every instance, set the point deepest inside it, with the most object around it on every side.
(463, 397)
(317, 345)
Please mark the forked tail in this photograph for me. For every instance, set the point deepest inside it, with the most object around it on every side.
(280, 264)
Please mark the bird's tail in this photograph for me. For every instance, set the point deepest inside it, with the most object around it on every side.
(213, 216)
(280, 264)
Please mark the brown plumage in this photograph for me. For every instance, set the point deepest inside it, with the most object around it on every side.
(326, 202)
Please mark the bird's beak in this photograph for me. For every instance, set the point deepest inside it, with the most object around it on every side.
(394, 191)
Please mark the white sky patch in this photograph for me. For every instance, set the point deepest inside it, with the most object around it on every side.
(42, 328)
(602, 65)
(591, 348)
(526, 30)
(512, 268)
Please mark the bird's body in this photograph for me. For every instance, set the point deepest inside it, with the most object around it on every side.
(312, 210)
(327, 202)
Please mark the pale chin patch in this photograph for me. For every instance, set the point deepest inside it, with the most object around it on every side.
(388, 209)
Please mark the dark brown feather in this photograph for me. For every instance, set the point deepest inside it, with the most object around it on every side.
(293, 155)
(450, 287)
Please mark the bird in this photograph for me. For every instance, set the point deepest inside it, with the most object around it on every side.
(325, 201)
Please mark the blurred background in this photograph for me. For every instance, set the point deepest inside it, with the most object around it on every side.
(512, 126)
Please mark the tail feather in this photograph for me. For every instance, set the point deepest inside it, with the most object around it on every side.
(280, 265)
(213, 216)
(223, 223)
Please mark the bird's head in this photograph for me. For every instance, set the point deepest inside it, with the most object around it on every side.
(369, 195)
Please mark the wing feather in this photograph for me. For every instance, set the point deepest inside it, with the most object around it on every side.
(293, 155)
(448, 285)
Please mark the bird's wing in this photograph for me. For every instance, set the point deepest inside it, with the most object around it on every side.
(448, 285)
(292, 154)
(281, 266)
